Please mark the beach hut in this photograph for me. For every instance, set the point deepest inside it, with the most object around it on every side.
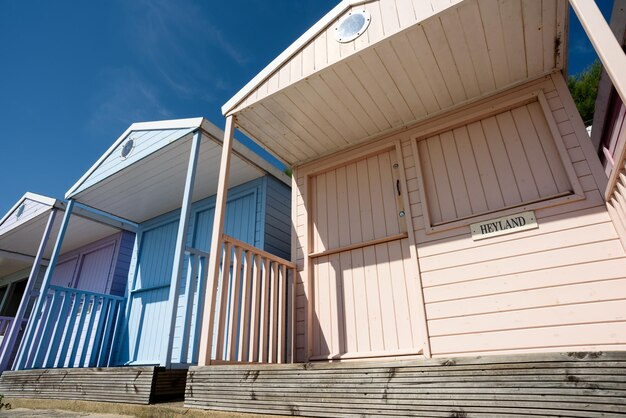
(161, 178)
(454, 251)
(94, 259)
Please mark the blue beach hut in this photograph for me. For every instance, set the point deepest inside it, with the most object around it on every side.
(160, 180)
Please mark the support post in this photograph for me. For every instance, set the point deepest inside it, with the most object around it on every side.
(604, 42)
(208, 317)
(181, 242)
(43, 292)
(11, 335)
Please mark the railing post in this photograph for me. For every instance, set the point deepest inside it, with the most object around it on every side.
(181, 242)
(26, 342)
(206, 339)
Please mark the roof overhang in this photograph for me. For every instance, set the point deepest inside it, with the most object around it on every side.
(153, 183)
(416, 60)
(20, 236)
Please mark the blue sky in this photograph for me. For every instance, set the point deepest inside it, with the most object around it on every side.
(75, 74)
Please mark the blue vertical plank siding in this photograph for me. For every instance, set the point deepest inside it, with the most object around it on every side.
(122, 265)
(277, 225)
(249, 208)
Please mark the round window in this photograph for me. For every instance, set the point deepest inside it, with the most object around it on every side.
(20, 211)
(128, 148)
(352, 26)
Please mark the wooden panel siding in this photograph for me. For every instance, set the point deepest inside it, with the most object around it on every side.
(277, 223)
(556, 288)
(111, 384)
(573, 384)
(504, 160)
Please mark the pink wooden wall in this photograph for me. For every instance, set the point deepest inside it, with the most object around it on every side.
(561, 287)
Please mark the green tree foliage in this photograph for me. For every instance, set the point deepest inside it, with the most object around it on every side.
(584, 89)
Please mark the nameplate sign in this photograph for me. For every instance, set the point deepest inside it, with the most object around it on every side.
(505, 225)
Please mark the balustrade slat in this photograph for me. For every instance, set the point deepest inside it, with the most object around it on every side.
(221, 331)
(97, 339)
(57, 333)
(233, 314)
(282, 309)
(253, 349)
(265, 310)
(203, 267)
(106, 336)
(274, 338)
(78, 332)
(46, 329)
(121, 304)
(93, 301)
(244, 319)
(192, 271)
(69, 328)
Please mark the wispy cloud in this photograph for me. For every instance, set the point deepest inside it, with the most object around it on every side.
(180, 42)
(122, 98)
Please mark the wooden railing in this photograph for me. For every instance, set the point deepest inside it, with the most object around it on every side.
(616, 200)
(74, 328)
(254, 306)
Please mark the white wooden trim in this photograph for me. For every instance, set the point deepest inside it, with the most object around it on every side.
(206, 335)
(604, 42)
(580, 131)
(181, 241)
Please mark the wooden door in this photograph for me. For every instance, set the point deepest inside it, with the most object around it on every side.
(95, 269)
(364, 284)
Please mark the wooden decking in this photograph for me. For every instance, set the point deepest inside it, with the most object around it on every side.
(140, 385)
(559, 384)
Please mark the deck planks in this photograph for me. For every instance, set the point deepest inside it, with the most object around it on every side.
(582, 384)
(138, 385)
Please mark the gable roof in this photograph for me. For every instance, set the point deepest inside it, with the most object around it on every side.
(161, 134)
(41, 204)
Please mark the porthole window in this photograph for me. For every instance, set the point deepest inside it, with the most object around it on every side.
(352, 25)
(127, 148)
(20, 211)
